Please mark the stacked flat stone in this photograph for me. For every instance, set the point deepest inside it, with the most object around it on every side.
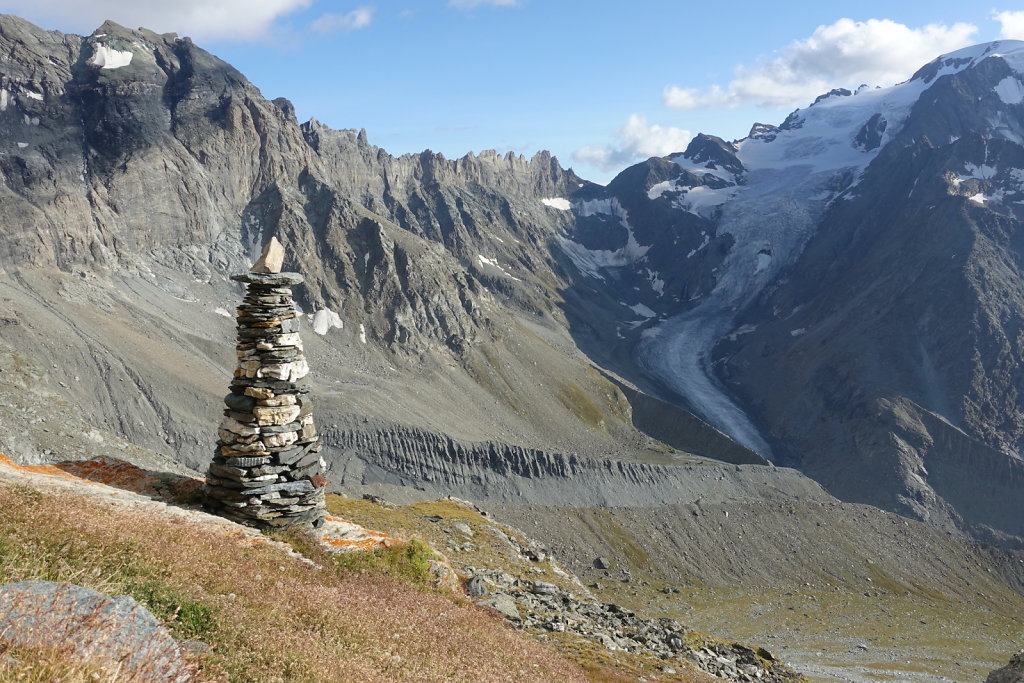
(267, 471)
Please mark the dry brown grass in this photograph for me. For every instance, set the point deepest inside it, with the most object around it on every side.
(268, 616)
(52, 665)
(420, 520)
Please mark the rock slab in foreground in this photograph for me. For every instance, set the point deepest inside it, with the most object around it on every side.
(115, 631)
(267, 470)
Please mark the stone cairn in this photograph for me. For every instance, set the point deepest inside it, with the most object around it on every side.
(267, 470)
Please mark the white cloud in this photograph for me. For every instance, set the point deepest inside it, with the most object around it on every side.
(636, 141)
(846, 53)
(201, 19)
(1011, 24)
(360, 17)
(468, 4)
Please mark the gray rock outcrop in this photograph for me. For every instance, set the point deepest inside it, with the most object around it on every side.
(115, 632)
(546, 608)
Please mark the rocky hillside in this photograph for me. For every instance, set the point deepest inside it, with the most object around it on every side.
(237, 606)
(142, 171)
(915, 368)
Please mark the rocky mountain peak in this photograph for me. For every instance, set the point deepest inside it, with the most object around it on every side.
(834, 92)
(713, 153)
(763, 131)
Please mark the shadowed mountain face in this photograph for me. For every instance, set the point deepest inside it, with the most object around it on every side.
(840, 293)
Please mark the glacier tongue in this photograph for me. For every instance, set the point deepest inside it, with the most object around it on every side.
(783, 183)
(677, 352)
(789, 180)
(774, 217)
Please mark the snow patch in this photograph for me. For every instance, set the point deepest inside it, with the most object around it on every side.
(642, 310)
(107, 57)
(702, 170)
(602, 207)
(660, 189)
(704, 243)
(657, 284)
(1010, 90)
(983, 172)
(592, 261)
(740, 331)
(362, 333)
(797, 332)
(493, 263)
(702, 200)
(222, 311)
(34, 95)
(324, 320)
(979, 198)
(761, 262)
(560, 203)
(22, 145)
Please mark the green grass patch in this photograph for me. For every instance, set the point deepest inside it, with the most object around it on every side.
(409, 562)
(187, 617)
(580, 404)
(115, 568)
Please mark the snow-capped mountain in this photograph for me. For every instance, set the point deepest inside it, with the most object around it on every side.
(744, 270)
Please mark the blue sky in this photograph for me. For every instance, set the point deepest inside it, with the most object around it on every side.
(600, 84)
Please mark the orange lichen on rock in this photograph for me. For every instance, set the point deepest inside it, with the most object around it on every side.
(118, 473)
(51, 470)
(344, 536)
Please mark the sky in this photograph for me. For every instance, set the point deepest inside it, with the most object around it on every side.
(600, 83)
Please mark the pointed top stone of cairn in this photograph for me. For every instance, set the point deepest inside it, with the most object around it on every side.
(271, 260)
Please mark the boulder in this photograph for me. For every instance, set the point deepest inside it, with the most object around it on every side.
(115, 631)
(1011, 673)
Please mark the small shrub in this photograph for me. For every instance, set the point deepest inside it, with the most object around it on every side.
(409, 562)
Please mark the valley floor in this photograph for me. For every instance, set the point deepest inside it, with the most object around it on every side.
(840, 592)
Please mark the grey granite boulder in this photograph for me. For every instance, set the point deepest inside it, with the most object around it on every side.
(115, 631)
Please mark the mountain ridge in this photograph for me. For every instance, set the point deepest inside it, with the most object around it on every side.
(427, 256)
